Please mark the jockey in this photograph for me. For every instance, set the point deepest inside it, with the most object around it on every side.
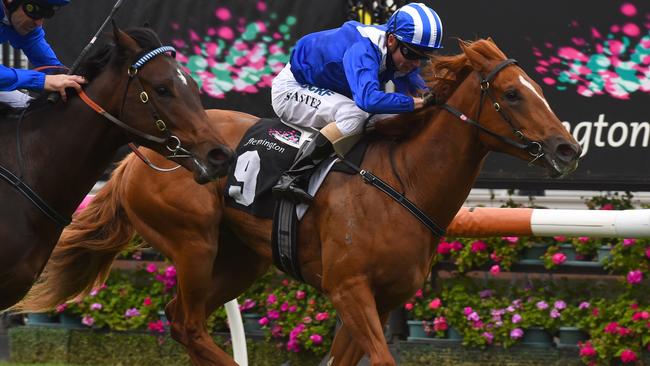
(334, 82)
(22, 26)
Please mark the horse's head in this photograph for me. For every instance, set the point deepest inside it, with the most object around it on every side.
(158, 103)
(515, 116)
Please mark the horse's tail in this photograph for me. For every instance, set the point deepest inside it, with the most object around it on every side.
(86, 250)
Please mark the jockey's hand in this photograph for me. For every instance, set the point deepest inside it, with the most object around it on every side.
(58, 83)
(429, 99)
(418, 102)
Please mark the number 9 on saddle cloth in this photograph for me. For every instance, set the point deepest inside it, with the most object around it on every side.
(268, 149)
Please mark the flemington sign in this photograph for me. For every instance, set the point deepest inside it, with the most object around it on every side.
(592, 60)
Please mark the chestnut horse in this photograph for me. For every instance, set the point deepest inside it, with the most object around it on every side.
(54, 153)
(358, 246)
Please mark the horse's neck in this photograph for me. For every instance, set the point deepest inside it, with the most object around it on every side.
(444, 159)
(73, 145)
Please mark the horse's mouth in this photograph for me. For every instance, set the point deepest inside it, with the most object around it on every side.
(558, 168)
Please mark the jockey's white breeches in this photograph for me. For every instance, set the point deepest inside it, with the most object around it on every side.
(309, 106)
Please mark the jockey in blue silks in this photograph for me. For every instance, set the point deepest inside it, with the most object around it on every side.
(335, 81)
(21, 26)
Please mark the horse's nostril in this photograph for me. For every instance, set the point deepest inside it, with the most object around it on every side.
(566, 152)
(219, 156)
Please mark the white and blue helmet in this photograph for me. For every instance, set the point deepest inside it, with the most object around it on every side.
(416, 24)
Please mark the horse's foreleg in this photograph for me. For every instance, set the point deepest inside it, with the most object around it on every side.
(236, 268)
(345, 351)
(188, 309)
(355, 304)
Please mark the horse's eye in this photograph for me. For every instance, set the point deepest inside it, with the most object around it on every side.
(512, 96)
(163, 91)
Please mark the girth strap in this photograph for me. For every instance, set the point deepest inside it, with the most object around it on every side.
(375, 181)
(32, 196)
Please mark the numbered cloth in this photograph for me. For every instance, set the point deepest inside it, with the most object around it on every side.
(268, 149)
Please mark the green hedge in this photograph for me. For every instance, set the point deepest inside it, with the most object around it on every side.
(87, 347)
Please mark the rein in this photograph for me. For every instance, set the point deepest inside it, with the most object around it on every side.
(534, 148)
(171, 142)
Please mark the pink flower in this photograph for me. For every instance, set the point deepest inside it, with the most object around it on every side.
(628, 242)
(583, 239)
(495, 257)
(468, 310)
(132, 313)
(554, 314)
(558, 258)
(542, 305)
(516, 333)
(94, 292)
(307, 320)
(151, 268)
(584, 305)
(479, 246)
(628, 356)
(516, 319)
(440, 324)
(300, 295)
(639, 315)
(273, 314)
(443, 248)
(88, 320)
(408, 306)
(647, 252)
(612, 328)
(634, 277)
(316, 338)
(510, 239)
(61, 308)
(418, 294)
(157, 326)
(271, 299)
(587, 350)
(560, 305)
(495, 270)
(285, 282)
(456, 246)
(147, 301)
(489, 337)
(96, 306)
(435, 303)
(607, 206)
(284, 306)
(560, 238)
(322, 316)
(293, 308)
(263, 321)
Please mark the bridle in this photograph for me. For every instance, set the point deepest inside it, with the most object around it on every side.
(171, 142)
(534, 148)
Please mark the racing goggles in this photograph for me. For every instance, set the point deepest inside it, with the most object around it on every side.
(37, 10)
(410, 53)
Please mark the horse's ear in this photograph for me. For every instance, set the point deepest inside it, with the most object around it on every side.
(478, 61)
(126, 45)
(489, 39)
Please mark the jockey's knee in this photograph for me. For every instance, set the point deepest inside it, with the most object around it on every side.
(351, 126)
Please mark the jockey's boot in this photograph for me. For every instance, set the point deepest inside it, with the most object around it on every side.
(293, 183)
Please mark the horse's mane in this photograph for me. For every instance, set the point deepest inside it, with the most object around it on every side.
(93, 64)
(443, 74)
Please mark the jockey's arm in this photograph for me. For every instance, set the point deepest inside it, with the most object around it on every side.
(361, 63)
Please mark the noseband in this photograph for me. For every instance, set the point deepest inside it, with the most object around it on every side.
(534, 148)
(172, 143)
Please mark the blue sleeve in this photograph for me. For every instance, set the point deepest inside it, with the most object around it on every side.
(361, 63)
(39, 53)
(411, 83)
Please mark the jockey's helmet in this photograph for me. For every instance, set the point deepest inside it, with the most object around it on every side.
(417, 25)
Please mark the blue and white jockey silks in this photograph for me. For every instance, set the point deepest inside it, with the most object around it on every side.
(339, 75)
(39, 53)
